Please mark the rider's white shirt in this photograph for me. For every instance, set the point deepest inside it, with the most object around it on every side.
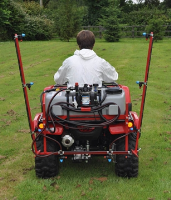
(85, 67)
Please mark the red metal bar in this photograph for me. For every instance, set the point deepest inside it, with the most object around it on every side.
(85, 152)
(23, 83)
(144, 93)
(44, 144)
(126, 127)
(44, 109)
(145, 80)
(87, 109)
(90, 117)
(35, 146)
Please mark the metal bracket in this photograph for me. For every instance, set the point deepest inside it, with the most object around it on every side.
(110, 152)
(147, 35)
(24, 85)
(27, 85)
(141, 83)
(61, 153)
(19, 36)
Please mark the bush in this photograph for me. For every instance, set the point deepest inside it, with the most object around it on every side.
(35, 27)
(156, 26)
(16, 19)
(38, 29)
(32, 8)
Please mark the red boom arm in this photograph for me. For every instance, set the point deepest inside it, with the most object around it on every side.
(24, 85)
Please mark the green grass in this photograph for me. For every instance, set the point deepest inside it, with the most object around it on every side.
(95, 180)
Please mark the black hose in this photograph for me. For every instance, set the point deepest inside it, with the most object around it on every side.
(46, 126)
(50, 90)
(104, 97)
(53, 117)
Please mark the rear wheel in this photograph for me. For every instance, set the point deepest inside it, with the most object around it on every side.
(126, 166)
(46, 167)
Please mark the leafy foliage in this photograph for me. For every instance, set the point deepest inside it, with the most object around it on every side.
(67, 21)
(4, 13)
(44, 2)
(127, 7)
(32, 8)
(4, 18)
(156, 26)
(152, 3)
(16, 19)
(17, 15)
(22, 19)
(37, 28)
(95, 11)
(143, 16)
(167, 3)
(110, 22)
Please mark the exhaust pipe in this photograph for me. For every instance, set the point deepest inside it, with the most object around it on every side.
(67, 141)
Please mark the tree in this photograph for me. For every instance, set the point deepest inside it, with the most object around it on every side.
(45, 2)
(110, 22)
(67, 20)
(127, 6)
(144, 15)
(16, 19)
(122, 3)
(4, 18)
(140, 1)
(95, 11)
(42, 3)
(167, 3)
(156, 26)
(152, 3)
(4, 12)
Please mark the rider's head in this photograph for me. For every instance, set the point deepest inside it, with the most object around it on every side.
(85, 39)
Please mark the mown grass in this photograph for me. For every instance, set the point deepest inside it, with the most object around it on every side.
(95, 180)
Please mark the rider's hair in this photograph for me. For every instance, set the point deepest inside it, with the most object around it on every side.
(85, 39)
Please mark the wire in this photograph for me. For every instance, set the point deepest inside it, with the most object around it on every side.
(46, 125)
(34, 140)
(53, 117)
(110, 146)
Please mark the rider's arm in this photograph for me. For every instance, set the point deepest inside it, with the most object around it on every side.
(109, 72)
(60, 75)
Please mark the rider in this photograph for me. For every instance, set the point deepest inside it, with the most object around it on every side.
(85, 67)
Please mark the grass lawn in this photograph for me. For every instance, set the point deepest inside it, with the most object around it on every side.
(95, 180)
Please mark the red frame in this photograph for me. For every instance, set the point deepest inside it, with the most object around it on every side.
(23, 83)
(144, 89)
(120, 128)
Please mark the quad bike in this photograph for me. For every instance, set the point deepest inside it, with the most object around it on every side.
(83, 122)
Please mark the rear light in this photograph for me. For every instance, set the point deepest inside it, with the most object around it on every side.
(41, 126)
(130, 124)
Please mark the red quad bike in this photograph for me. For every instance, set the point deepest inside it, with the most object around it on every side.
(82, 122)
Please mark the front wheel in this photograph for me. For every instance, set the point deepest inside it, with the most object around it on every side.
(46, 167)
(126, 166)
